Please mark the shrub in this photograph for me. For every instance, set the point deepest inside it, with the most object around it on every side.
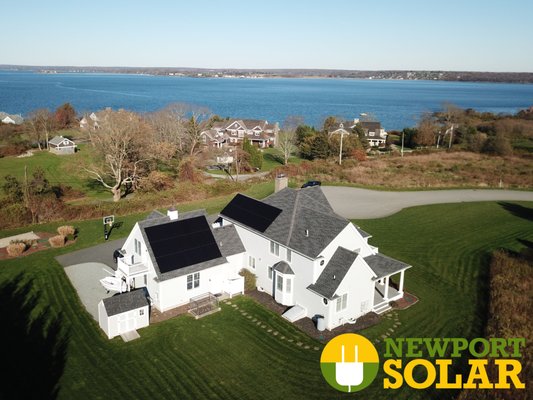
(57, 241)
(249, 280)
(156, 181)
(16, 249)
(66, 230)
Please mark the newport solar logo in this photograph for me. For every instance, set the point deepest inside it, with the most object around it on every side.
(349, 362)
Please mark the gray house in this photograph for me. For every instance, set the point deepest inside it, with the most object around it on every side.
(62, 145)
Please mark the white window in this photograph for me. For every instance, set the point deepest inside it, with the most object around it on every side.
(270, 273)
(274, 248)
(193, 280)
(288, 285)
(289, 255)
(279, 283)
(141, 312)
(137, 245)
(342, 301)
(251, 262)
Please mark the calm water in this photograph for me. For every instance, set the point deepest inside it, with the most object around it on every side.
(396, 103)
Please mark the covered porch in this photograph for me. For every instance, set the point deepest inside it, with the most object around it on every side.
(388, 281)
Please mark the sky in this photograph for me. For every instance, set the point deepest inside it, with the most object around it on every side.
(464, 35)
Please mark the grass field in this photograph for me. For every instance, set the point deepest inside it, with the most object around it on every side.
(227, 355)
(65, 170)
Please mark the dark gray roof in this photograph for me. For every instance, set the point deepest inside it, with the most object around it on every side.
(155, 215)
(304, 210)
(363, 233)
(124, 302)
(331, 277)
(283, 268)
(191, 268)
(228, 240)
(372, 126)
(383, 265)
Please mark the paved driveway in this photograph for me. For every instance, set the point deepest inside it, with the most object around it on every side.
(85, 278)
(102, 253)
(86, 267)
(362, 203)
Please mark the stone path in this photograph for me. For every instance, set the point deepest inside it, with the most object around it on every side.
(393, 317)
(263, 325)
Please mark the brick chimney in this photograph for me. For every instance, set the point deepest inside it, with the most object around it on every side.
(281, 182)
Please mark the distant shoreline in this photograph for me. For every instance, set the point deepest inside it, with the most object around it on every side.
(398, 75)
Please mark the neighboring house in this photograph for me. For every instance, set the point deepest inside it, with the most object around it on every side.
(61, 145)
(89, 122)
(123, 313)
(311, 259)
(14, 119)
(344, 128)
(303, 254)
(374, 133)
(260, 132)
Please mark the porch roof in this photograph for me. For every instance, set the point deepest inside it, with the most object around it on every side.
(385, 266)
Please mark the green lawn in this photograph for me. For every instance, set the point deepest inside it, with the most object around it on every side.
(66, 170)
(272, 158)
(227, 355)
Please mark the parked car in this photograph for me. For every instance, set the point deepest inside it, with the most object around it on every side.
(311, 184)
(118, 253)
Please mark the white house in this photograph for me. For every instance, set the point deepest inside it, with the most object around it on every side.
(123, 313)
(61, 145)
(311, 259)
(374, 134)
(89, 122)
(303, 254)
(177, 259)
(14, 119)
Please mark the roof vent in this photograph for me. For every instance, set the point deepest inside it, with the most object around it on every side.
(172, 213)
(334, 277)
(307, 233)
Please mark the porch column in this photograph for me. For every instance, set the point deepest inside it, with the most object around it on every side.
(386, 296)
(400, 288)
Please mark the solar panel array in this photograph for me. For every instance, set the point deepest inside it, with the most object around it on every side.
(251, 212)
(182, 243)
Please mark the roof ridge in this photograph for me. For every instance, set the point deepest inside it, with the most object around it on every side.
(293, 217)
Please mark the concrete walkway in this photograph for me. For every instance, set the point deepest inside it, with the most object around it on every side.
(365, 204)
(4, 242)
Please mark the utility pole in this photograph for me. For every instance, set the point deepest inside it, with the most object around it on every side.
(403, 133)
(451, 137)
(340, 150)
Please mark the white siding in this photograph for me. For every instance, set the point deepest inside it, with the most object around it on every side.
(116, 325)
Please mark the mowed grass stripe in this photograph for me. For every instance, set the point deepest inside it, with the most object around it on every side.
(227, 355)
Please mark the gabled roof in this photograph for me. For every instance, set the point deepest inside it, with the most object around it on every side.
(125, 302)
(331, 277)
(228, 240)
(363, 233)
(188, 244)
(383, 265)
(57, 140)
(306, 223)
(371, 125)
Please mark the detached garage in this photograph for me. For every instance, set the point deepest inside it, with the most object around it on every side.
(123, 313)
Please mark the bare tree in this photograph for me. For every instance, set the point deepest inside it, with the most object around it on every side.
(286, 143)
(170, 124)
(450, 116)
(40, 124)
(123, 142)
(425, 134)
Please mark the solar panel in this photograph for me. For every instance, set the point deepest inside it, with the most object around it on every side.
(251, 212)
(182, 243)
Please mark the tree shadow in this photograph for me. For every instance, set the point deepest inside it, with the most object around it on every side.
(34, 343)
(274, 157)
(517, 210)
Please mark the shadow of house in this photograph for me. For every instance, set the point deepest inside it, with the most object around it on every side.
(34, 343)
(517, 210)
